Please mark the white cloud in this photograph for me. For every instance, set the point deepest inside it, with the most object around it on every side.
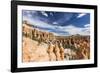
(87, 25)
(70, 29)
(76, 30)
(44, 13)
(55, 23)
(29, 13)
(81, 15)
(37, 23)
(51, 13)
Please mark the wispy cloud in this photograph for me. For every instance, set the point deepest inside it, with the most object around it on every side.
(87, 25)
(54, 23)
(60, 30)
(29, 13)
(77, 30)
(44, 13)
(55, 27)
(51, 13)
(37, 22)
(81, 15)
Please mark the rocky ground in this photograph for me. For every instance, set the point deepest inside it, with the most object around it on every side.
(44, 46)
(34, 51)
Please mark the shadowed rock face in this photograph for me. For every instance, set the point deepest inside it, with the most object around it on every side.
(41, 46)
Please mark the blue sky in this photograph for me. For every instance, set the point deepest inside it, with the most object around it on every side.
(59, 23)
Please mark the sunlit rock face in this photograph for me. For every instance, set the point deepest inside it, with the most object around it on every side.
(37, 46)
(33, 51)
(42, 46)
